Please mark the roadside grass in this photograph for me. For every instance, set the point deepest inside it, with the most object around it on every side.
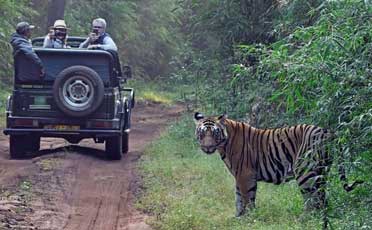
(149, 95)
(157, 91)
(187, 189)
(151, 91)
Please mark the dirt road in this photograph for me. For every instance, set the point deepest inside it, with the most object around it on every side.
(75, 187)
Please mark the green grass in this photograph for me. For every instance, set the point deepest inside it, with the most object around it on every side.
(186, 189)
(149, 95)
(158, 92)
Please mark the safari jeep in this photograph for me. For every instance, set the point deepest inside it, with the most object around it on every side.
(81, 96)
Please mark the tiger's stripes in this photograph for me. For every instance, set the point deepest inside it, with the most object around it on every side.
(270, 155)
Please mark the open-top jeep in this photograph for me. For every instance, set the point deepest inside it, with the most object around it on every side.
(81, 96)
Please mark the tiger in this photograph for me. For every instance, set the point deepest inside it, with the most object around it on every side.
(270, 155)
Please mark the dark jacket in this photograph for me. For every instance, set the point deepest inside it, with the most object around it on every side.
(21, 44)
(104, 40)
(100, 39)
(27, 65)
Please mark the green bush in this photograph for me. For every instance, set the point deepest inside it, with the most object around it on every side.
(319, 73)
(322, 76)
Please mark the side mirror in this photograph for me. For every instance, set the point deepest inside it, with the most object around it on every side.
(127, 72)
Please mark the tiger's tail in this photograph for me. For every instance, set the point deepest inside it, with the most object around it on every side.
(347, 187)
(342, 173)
(341, 166)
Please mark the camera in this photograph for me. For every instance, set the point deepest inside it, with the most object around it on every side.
(95, 31)
(60, 33)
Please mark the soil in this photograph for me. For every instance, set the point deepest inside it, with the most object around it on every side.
(72, 187)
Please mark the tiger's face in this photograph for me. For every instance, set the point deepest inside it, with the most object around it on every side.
(210, 132)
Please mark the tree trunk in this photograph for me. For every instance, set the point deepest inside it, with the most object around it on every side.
(56, 10)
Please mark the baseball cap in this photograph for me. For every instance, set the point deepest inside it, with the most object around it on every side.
(22, 27)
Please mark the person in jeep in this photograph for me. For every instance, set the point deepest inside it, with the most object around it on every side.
(98, 38)
(57, 36)
(20, 41)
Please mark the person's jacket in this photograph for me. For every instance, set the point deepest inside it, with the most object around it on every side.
(22, 44)
(54, 43)
(104, 40)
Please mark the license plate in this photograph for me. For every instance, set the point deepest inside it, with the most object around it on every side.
(62, 127)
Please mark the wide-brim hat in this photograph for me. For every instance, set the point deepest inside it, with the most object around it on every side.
(60, 24)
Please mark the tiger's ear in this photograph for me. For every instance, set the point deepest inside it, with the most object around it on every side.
(222, 119)
(198, 116)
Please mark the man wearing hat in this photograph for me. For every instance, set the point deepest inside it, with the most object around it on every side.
(57, 36)
(20, 40)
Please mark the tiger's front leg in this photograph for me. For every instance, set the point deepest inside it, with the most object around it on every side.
(239, 204)
(246, 188)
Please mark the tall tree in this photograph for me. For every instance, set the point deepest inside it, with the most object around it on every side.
(56, 10)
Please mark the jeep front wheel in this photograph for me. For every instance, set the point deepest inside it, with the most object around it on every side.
(78, 91)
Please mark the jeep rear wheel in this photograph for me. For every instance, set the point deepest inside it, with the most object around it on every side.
(78, 91)
(33, 142)
(17, 146)
(114, 147)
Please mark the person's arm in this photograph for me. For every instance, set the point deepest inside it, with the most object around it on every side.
(108, 44)
(26, 48)
(85, 43)
(48, 43)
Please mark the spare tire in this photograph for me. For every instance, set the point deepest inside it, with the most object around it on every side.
(78, 91)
